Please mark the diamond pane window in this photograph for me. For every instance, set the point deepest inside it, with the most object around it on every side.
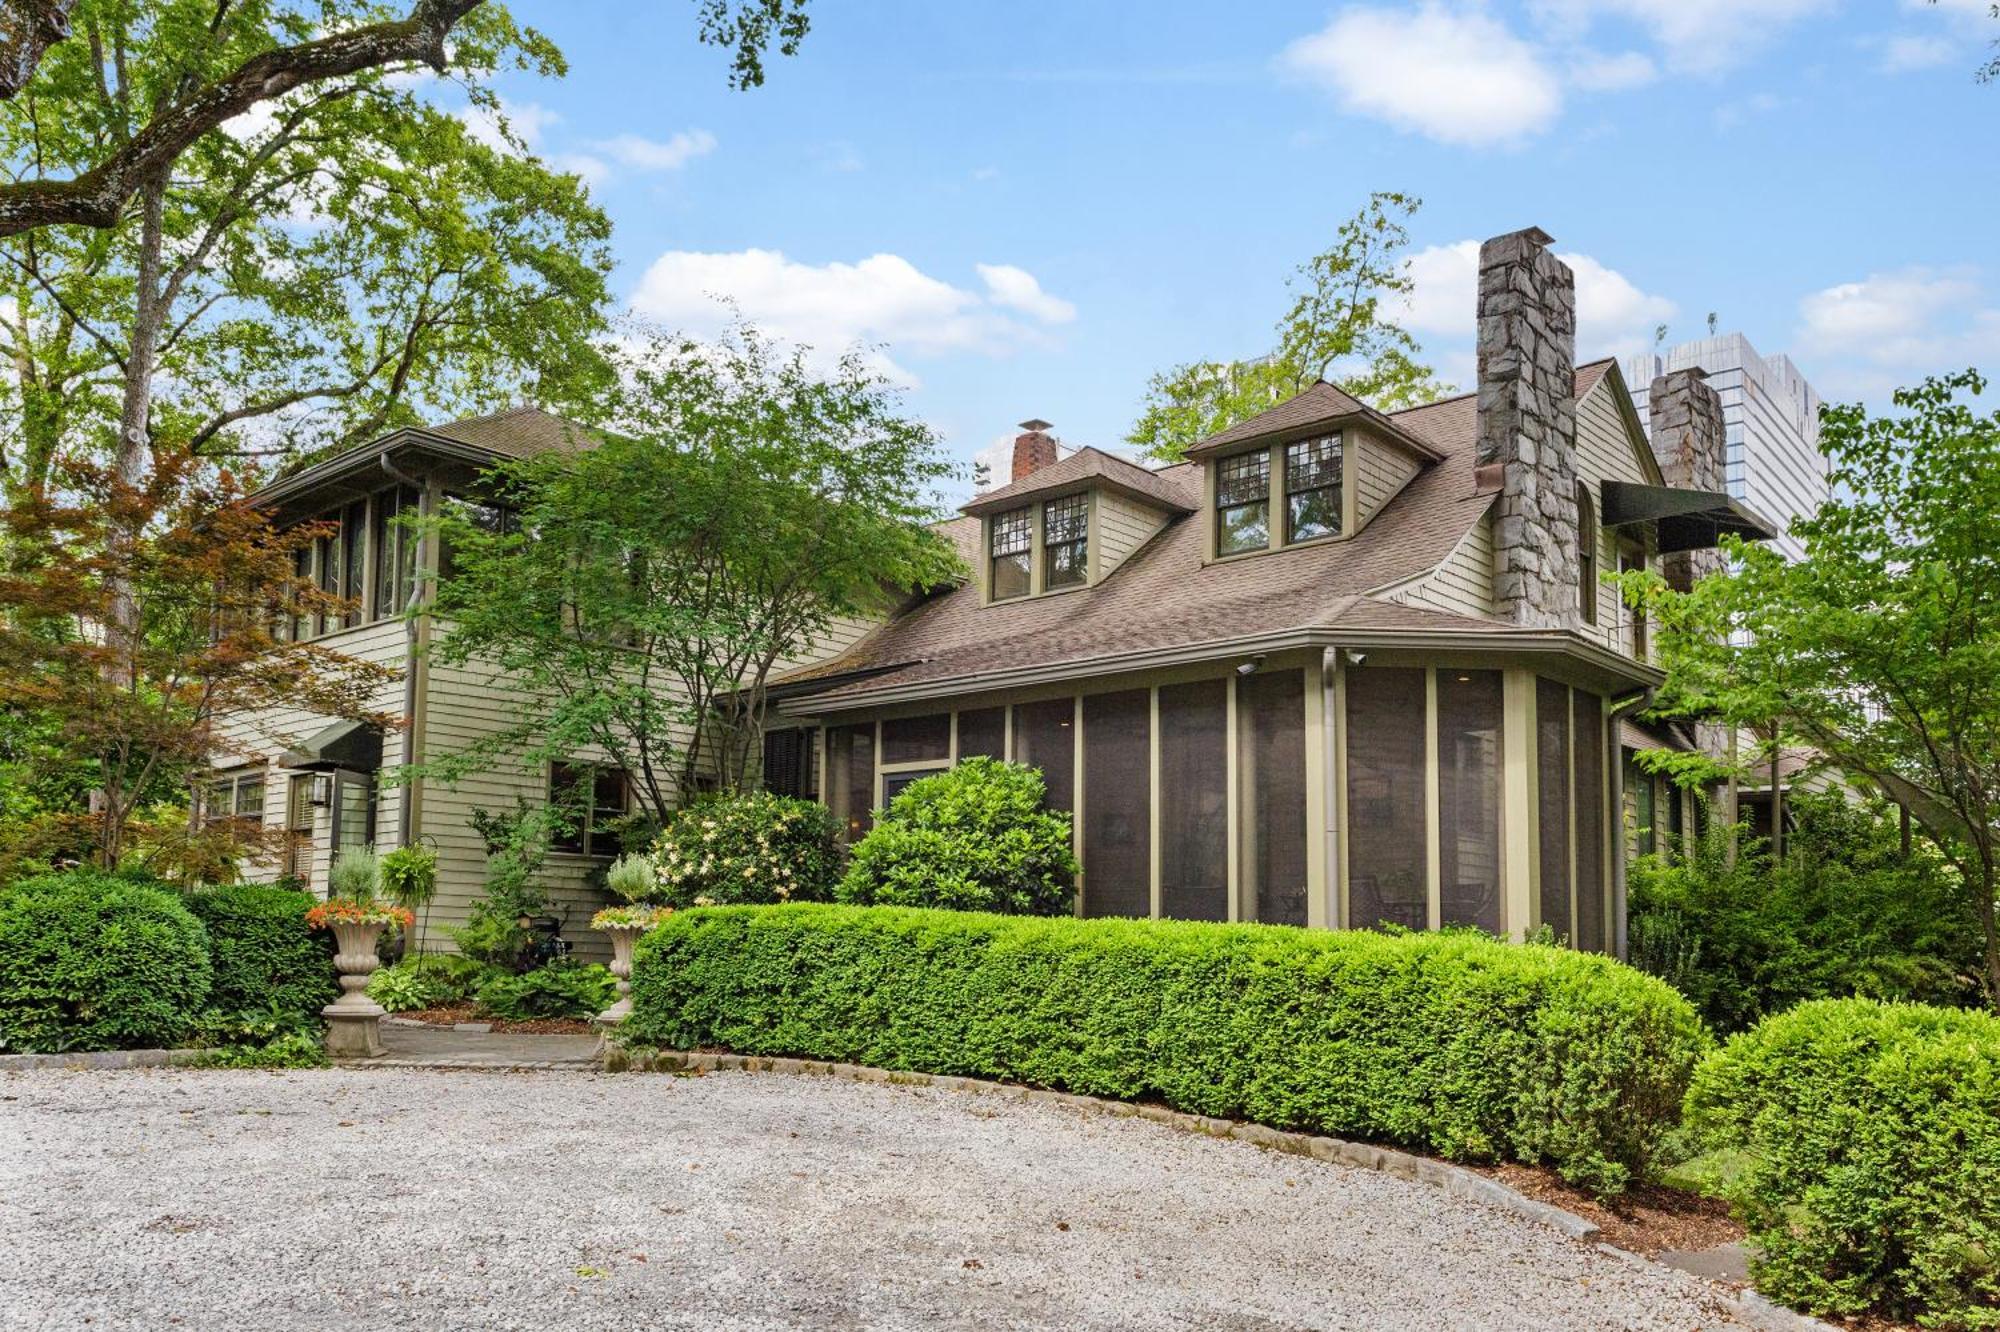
(1065, 541)
(1011, 546)
(1243, 503)
(1313, 470)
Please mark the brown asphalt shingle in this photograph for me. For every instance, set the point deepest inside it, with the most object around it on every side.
(519, 432)
(1086, 465)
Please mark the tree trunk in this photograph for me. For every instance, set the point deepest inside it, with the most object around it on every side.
(1988, 926)
(1777, 806)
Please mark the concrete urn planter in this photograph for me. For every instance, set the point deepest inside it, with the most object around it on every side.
(622, 937)
(353, 1021)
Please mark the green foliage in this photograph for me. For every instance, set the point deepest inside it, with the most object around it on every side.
(355, 876)
(1872, 1179)
(430, 981)
(1335, 328)
(1881, 648)
(1845, 913)
(655, 580)
(268, 967)
(409, 876)
(1455, 1044)
(974, 838)
(559, 990)
(517, 843)
(292, 1049)
(89, 962)
(632, 878)
(748, 850)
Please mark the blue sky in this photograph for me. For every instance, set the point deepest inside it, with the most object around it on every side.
(1032, 207)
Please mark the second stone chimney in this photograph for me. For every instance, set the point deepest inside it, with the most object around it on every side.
(1034, 449)
(1527, 425)
(1684, 418)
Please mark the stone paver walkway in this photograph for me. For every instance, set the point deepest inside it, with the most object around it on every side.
(444, 1047)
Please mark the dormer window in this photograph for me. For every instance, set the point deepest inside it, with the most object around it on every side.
(1312, 489)
(1243, 503)
(1065, 541)
(1011, 550)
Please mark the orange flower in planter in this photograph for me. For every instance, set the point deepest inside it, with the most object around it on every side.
(343, 911)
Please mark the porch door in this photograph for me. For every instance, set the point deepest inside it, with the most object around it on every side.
(353, 810)
(299, 828)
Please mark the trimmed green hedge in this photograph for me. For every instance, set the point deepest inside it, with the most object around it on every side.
(268, 965)
(89, 962)
(1872, 1141)
(1451, 1043)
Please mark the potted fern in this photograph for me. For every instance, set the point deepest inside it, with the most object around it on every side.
(632, 878)
(357, 918)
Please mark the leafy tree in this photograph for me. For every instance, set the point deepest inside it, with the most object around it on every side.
(207, 578)
(651, 583)
(1334, 329)
(1881, 647)
(294, 48)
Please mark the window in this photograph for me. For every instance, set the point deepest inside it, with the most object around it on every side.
(1271, 779)
(1312, 489)
(982, 731)
(302, 570)
(234, 796)
(595, 798)
(353, 580)
(916, 739)
(486, 516)
(1011, 548)
(850, 764)
(1065, 541)
(395, 551)
(1586, 553)
(893, 783)
(788, 762)
(1243, 503)
(1469, 720)
(1552, 771)
(1388, 854)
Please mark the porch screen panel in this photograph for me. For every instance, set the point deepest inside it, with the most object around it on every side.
(1117, 804)
(851, 778)
(1552, 776)
(1194, 800)
(1587, 735)
(1469, 720)
(1387, 861)
(1045, 738)
(916, 739)
(1271, 783)
(982, 732)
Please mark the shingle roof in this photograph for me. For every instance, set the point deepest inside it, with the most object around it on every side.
(1085, 466)
(1322, 404)
(1164, 597)
(519, 432)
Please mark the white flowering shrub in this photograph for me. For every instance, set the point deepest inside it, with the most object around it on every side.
(755, 849)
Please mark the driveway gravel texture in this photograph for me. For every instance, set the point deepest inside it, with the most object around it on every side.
(338, 1199)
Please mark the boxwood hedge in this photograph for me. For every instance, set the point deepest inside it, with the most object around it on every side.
(95, 963)
(1450, 1043)
(267, 964)
(1872, 1148)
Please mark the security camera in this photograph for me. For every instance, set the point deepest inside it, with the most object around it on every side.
(1250, 667)
(1355, 658)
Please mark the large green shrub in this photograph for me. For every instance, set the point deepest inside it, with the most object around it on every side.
(267, 964)
(1871, 1142)
(559, 990)
(1845, 913)
(95, 963)
(747, 849)
(1452, 1043)
(975, 838)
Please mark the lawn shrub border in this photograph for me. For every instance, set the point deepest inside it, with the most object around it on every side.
(1451, 1044)
(267, 961)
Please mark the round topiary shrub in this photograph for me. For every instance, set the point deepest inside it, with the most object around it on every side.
(747, 850)
(976, 838)
(89, 962)
(269, 967)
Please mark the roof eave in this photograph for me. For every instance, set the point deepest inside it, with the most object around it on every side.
(1367, 417)
(356, 459)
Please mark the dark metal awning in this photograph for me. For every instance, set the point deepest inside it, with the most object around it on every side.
(1687, 519)
(350, 745)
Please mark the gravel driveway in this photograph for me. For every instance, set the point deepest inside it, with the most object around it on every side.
(431, 1200)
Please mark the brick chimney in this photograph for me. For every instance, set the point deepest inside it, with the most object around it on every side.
(1684, 417)
(1527, 425)
(1034, 449)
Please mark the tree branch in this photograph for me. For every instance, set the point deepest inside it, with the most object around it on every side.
(98, 196)
(27, 29)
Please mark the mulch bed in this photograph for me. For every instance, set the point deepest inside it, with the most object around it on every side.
(456, 1013)
(1645, 1219)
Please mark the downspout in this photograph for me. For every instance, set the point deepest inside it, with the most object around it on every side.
(1615, 712)
(410, 657)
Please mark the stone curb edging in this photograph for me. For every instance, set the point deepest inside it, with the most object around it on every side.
(102, 1059)
(447, 1065)
(1746, 1305)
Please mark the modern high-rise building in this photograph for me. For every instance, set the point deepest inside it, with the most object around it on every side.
(1770, 414)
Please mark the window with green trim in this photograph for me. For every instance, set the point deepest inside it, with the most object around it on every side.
(1065, 541)
(1312, 488)
(1010, 550)
(1243, 503)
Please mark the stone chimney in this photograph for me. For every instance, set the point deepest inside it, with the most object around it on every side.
(1034, 449)
(1684, 417)
(1527, 425)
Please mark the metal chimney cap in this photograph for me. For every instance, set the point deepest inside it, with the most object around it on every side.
(1034, 423)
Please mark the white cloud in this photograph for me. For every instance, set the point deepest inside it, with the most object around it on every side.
(1455, 76)
(1695, 36)
(1901, 55)
(1613, 316)
(1863, 338)
(883, 299)
(524, 120)
(643, 154)
(1731, 114)
(1592, 71)
(1017, 289)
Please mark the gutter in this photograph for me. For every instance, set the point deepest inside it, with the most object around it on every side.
(1615, 711)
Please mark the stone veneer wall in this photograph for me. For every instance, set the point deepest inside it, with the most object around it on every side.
(1687, 433)
(1527, 425)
